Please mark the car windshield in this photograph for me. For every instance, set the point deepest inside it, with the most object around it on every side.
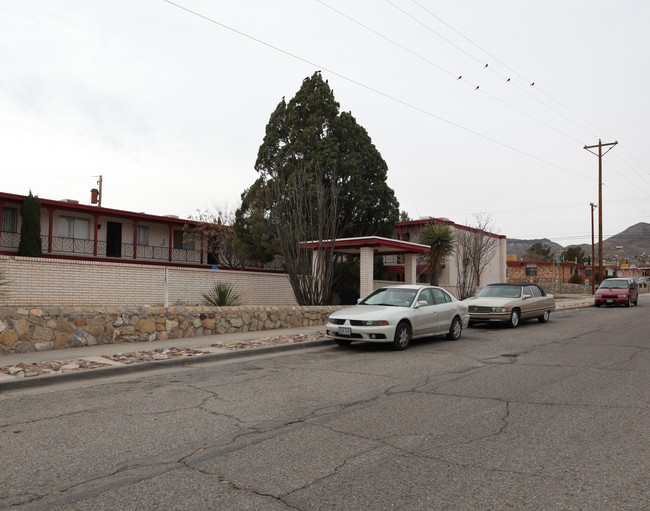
(613, 284)
(392, 297)
(500, 292)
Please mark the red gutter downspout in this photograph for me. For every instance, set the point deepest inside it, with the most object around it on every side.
(135, 239)
(96, 216)
(170, 240)
(51, 228)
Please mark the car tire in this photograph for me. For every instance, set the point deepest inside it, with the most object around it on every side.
(513, 322)
(629, 303)
(636, 301)
(544, 317)
(402, 336)
(342, 342)
(455, 330)
(596, 305)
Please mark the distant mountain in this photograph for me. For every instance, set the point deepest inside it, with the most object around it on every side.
(631, 246)
(519, 247)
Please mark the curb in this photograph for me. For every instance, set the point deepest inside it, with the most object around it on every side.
(100, 372)
(574, 307)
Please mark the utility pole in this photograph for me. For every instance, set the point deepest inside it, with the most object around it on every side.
(600, 155)
(95, 194)
(100, 182)
(593, 273)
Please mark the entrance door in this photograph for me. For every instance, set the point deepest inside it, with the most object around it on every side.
(113, 239)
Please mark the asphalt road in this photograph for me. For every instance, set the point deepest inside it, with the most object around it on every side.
(545, 416)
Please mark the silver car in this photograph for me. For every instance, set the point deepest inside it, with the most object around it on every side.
(397, 314)
(510, 303)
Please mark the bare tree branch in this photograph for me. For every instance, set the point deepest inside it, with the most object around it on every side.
(306, 211)
(476, 247)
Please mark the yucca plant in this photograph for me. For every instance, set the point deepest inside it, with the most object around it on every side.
(441, 238)
(222, 294)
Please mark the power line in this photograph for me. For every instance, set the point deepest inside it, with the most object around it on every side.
(483, 64)
(455, 75)
(377, 91)
(526, 80)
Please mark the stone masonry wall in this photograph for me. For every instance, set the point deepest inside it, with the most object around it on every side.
(39, 329)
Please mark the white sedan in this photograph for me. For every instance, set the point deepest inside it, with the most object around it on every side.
(397, 314)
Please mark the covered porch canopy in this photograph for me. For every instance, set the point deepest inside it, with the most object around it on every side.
(369, 246)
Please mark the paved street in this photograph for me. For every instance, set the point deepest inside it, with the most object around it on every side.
(545, 416)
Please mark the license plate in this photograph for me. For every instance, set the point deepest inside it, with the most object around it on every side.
(345, 330)
(610, 301)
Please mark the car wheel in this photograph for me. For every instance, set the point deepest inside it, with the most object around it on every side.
(544, 317)
(596, 305)
(628, 302)
(514, 319)
(455, 330)
(636, 301)
(402, 336)
(342, 342)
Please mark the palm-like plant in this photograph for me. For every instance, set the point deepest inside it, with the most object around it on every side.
(441, 238)
(222, 294)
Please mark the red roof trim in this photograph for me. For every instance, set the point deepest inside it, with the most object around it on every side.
(96, 210)
(399, 247)
(427, 221)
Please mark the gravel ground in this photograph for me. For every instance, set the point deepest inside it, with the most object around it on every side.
(138, 357)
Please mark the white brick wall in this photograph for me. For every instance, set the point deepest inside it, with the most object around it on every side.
(60, 282)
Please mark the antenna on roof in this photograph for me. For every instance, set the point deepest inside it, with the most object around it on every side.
(95, 194)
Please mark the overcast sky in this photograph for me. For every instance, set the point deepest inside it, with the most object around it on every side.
(170, 106)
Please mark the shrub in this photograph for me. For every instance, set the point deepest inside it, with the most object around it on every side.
(576, 279)
(222, 294)
(30, 228)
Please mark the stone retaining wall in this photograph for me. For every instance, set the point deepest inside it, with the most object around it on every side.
(23, 330)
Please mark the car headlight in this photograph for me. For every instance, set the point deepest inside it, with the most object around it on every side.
(499, 309)
(374, 323)
(622, 296)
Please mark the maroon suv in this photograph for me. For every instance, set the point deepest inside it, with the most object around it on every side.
(617, 292)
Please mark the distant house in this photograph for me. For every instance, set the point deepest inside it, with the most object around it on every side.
(77, 231)
(546, 271)
(495, 271)
(552, 272)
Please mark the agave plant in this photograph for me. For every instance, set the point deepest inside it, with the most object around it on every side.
(222, 294)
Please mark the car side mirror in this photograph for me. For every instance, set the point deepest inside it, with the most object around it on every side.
(526, 297)
(422, 303)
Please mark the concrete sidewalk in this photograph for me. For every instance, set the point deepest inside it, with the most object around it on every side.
(34, 368)
(22, 370)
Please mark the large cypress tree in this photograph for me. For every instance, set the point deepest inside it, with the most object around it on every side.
(30, 228)
(309, 136)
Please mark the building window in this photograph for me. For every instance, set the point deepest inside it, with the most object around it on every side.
(531, 271)
(588, 272)
(72, 227)
(178, 239)
(143, 235)
(9, 220)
